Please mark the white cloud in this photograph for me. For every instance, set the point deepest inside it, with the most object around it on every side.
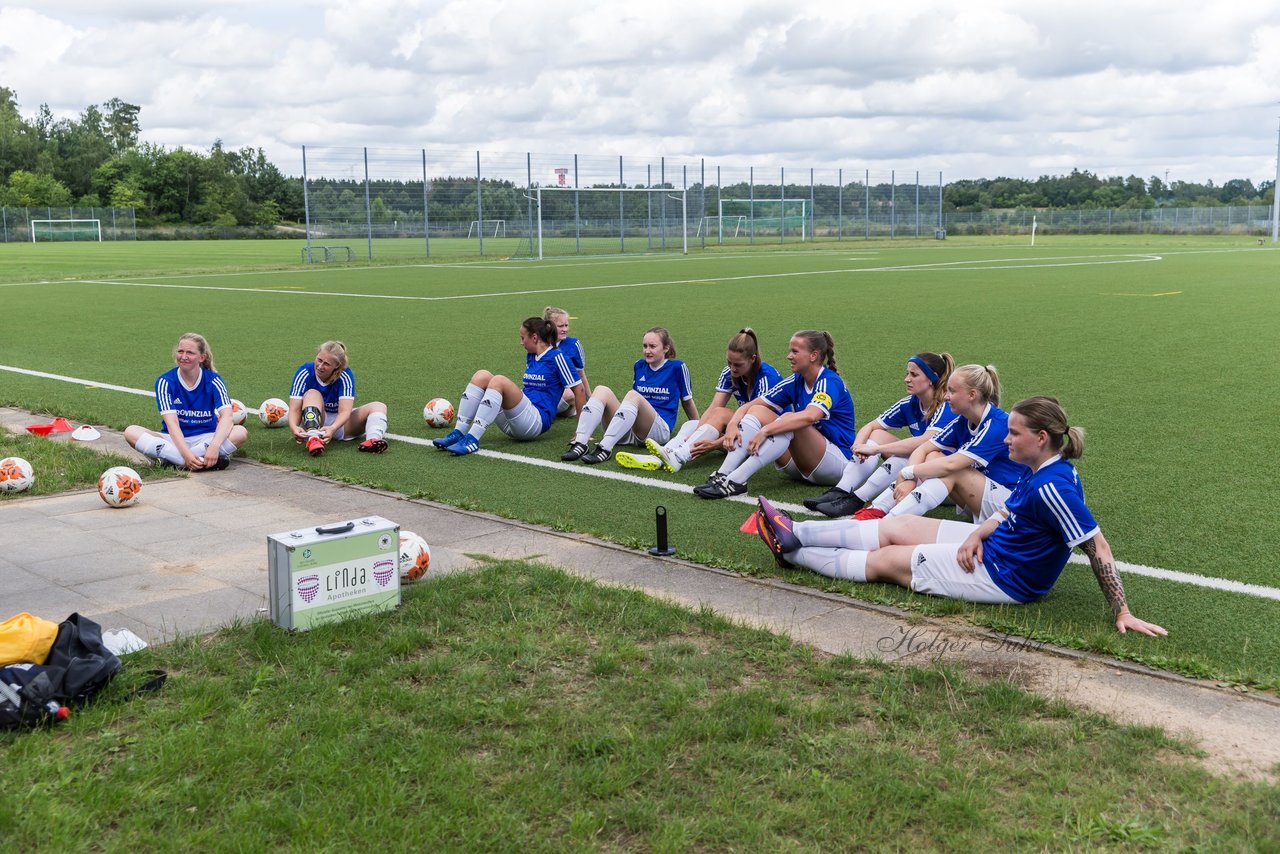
(984, 88)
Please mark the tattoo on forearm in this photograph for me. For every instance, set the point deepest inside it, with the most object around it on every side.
(1108, 578)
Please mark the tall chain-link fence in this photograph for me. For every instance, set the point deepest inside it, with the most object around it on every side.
(40, 224)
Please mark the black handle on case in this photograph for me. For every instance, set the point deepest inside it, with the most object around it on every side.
(336, 529)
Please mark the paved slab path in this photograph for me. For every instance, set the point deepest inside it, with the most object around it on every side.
(191, 556)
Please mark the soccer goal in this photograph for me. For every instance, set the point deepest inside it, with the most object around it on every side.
(715, 225)
(487, 227)
(66, 229)
(566, 221)
(763, 218)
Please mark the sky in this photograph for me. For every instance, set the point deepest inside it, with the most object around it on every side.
(983, 88)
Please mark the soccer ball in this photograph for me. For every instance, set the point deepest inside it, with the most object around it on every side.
(120, 486)
(415, 556)
(15, 475)
(438, 412)
(238, 412)
(273, 412)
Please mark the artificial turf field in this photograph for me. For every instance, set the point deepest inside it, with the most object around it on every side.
(1159, 347)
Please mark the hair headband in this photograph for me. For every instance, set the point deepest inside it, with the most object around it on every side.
(924, 369)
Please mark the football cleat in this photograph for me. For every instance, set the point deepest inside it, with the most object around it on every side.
(574, 452)
(315, 446)
(373, 446)
(867, 514)
(831, 494)
(775, 528)
(670, 461)
(644, 462)
(845, 505)
(468, 444)
(448, 439)
(719, 486)
(599, 455)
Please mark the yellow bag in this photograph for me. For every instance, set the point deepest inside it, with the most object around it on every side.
(24, 638)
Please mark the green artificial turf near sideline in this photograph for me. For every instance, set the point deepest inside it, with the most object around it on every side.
(1166, 363)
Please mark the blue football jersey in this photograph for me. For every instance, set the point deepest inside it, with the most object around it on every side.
(766, 379)
(341, 386)
(664, 387)
(197, 408)
(827, 394)
(985, 445)
(1047, 518)
(546, 376)
(572, 349)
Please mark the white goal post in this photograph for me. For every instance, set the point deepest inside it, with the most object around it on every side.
(66, 229)
(738, 222)
(766, 213)
(588, 225)
(489, 227)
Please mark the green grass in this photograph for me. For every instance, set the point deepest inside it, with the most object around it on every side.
(60, 465)
(517, 706)
(1162, 358)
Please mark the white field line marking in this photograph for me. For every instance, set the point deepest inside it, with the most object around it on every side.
(962, 266)
(1190, 578)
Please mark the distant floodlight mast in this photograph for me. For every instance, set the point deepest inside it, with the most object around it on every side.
(1275, 196)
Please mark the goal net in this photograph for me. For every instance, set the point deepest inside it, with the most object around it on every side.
(487, 227)
(753, 218)
(47, 230)
(566, 221)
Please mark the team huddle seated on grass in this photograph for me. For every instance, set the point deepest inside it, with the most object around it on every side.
(1007, 472)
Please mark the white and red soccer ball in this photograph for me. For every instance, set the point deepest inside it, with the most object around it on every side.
(16, 475)
(119, 486)
(238, 412)
(273, 412)
(415, 556)
(438, 412)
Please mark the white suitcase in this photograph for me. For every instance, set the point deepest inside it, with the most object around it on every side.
(333, 572)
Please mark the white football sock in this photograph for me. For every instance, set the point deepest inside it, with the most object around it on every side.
(159, 448)
(490, 406)
(840, 534)
(375, 426)
(467, 406)
(747, 428)
(589, 420)
(926, 496)
(623, 420)
(856, 473)
(770, 449)
(843, 564)
(881, 479)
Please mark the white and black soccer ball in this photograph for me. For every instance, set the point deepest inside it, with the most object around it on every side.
(120, 486)
(16, 475)
(438, 412)
(415, 556)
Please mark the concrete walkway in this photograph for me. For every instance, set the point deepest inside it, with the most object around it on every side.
(191, 556)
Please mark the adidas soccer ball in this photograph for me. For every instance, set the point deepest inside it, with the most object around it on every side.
(273, 412)
(438, 412)
(120, 486)
(415, 556)
(15, 475)
(238, 412)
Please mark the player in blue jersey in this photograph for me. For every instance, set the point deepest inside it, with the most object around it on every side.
(572, 349)
(522, 413)
(803, 424)
(322, 405)
(878, 454)
(195, 413)
(745, 377)
(979, 475)
(1014, 557)
(648, 411)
